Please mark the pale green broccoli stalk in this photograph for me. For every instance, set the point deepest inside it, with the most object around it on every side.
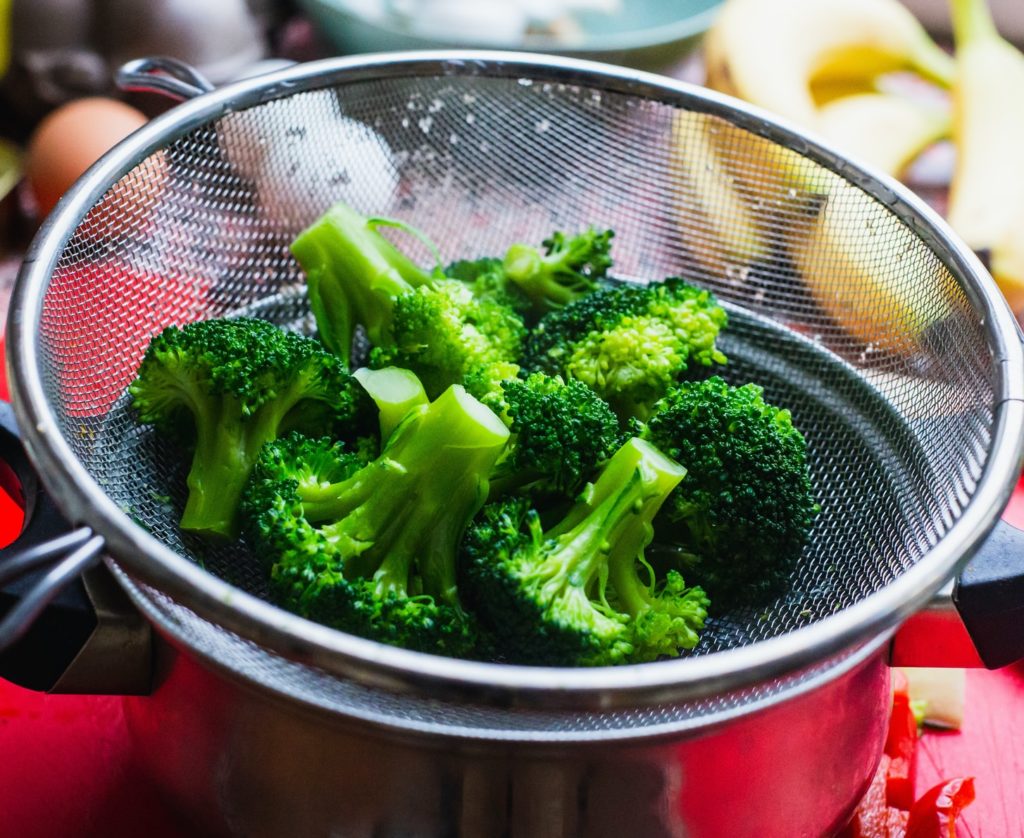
(395, 391)
(353, 275)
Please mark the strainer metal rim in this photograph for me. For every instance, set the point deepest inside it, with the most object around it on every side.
(372, 663)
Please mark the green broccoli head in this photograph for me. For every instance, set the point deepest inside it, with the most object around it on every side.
(228, 387)
(447, 335)
(562, 433)
(372, 549)
(742, 514)
(569, 268)
(580, 592)
(630, 343)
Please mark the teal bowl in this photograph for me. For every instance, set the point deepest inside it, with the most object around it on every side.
(647, 34)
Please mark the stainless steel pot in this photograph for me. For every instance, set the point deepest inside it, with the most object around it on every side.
(909, 392)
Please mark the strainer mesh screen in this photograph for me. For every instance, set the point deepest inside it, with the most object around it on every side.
(837, 306)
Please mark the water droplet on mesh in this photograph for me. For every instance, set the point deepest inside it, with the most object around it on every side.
(525, 82)
(543, 126)
(425, 124)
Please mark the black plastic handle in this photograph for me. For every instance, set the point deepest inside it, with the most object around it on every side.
(990, 597)
(46, 615)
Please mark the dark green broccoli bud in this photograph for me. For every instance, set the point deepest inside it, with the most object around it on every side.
(446, 334)
(562, 433)
(569, 268)
(580, 592)
(374, 552)
(353, 275)
(630, 343)
(741, 516)
(229, 386)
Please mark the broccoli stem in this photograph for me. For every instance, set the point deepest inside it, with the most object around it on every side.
(227, 445)
(415, 499)
(611, 525)
(395, 391)
(353, 274)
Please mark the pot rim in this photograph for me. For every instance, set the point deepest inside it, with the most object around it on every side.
(375, 664)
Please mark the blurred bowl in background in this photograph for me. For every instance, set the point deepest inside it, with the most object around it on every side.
(647, 34)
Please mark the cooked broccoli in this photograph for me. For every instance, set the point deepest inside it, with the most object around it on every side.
(562, 432)
(569, 268)
(742, 513)
(630, 343)
(372, 549)
(448, 335)
(353, 275)
(228, 387)
(580, 592)
(395, 392)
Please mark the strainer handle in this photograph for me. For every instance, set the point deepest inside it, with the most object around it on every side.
(989, 596)
(164, 75)
(63, 627)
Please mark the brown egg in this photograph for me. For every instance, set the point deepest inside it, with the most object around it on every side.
(72, 138)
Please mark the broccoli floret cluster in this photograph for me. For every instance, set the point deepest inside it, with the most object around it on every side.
(631, 343)
(485, 479)
(746, 486)
(579, 592)
(372, 548)
(226, 387)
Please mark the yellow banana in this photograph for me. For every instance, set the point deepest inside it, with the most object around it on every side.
(986, 202)
(868, 290)
(769, 52)
(717, 224)
(885, 130)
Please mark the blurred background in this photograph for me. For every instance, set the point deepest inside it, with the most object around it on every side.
(875, 78)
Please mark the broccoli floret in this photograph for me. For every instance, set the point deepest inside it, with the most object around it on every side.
(580, 592)
(448, 335)
(229, 386)
(741, 516)
(562, 432)
(570, 267)
(372, 549)
(630, 343)
(353, 275)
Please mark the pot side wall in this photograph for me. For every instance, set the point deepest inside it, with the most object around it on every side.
(243, 762)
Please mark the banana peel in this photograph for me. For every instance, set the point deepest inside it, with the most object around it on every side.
(885, 130)
(769, 52)
(875, 292)
(986, 201)
(718, 225)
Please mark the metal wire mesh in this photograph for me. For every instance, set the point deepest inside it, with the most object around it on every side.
(837, 307)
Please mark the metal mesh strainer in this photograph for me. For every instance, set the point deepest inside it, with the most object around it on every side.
(848, 302)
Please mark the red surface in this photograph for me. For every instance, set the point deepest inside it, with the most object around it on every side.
(67, 765)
